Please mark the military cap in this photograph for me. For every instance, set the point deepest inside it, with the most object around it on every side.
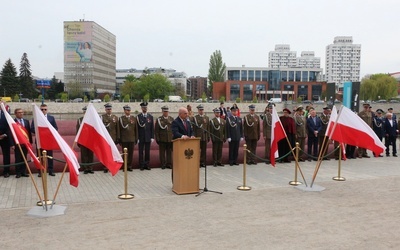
(390, 109)
(108, 105)
(200, 107)
(126, 107)
(270, 104)
(217, 110)
(287, 110)
(164, 108)
(234, 108)
(366, 104)
(299, 108)
(221, 102)
(143, 104)
(326, 107)
(84, 108)
(380, 111)
(252, 106)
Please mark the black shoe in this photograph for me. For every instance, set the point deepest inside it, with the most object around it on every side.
(52, 174)
(105, 170)
(220, 164)
(387, 155)
(24, 175)
(215, 164)
(169, 166)
(249, 163)
(326, 159)
(142, 168)
(301, 159)
(39, 175)
(380, 155)
(86, 172)
(202, 165)
(148, 168)
(235, 163)
(163, 167)
(130, 169)
(366, 156)
(394, 155)
(18, 176)
(230, 164)
(6, 175)
(254, 163)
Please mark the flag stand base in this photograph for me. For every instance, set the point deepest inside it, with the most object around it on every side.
(314, 188)
(41, 212)
(295, 183)
(244, 188)
(40, 203)
(126, 196)
(338, 178)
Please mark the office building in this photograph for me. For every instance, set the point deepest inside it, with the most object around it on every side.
(89, 56)
(282, 57)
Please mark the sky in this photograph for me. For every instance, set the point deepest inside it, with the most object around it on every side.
(183, 34)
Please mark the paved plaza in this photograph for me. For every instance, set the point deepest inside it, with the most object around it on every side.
(359, 213)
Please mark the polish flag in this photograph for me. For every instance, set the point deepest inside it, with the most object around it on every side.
(351, 129)
(20, 136)
(328, 132)
(277, 134)
(48, 138)
(94, 135)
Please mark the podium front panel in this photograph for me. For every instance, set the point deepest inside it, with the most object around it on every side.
(186, 166)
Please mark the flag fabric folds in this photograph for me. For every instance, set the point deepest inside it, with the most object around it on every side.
(277, 134)
(349, 128)
(48, 138)
(20, 136)
(331, 124)
(93, 135)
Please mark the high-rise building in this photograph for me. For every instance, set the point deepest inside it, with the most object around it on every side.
(282, 57)
(308, 60)
(89, 57)
(343, 61)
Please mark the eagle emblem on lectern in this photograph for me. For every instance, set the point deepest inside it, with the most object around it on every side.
(189, 153)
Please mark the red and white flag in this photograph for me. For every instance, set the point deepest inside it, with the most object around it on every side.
(328, 132)
(351, 129)
(48, 138)
(277, 134)
(20, 136)
(94, 135)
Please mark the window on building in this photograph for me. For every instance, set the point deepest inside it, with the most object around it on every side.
(264, 75)
(234, 75)
(235, 91)
(251, 75)
(291, 76)
(243, 75)
(284, 76)
(257, 75)
(304, 76)
(298, 76)
(274, 77)
(247, 92)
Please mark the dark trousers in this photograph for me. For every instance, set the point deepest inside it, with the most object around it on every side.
(233, 151)
(217, 151)
(284, 148)
(203, 151)
(165, 153)
(86, 157)
(129, 158)
(390, 140)
(251, 146)
(144, 147)
(350, 150)
(19, 159)
(267, 148)
(312, 143)
(5, 149)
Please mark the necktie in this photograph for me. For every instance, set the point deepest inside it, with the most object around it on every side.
(185, 124)
(22, 122)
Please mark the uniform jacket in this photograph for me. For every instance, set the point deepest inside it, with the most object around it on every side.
(301, 126)
(324, 120)
(127, 129)
(267, 125)
(162, 129)
(378, 127)
(201, 127)
(366, 117)
(111, 124)
(234, 128)
(218, 129)
(251, 127)
(178, 129)
(145, 127)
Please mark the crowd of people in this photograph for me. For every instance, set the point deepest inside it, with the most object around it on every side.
(302, 125)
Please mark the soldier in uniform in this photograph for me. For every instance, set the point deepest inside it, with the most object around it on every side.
(377, 124)
(234, 134)
(366, 116)
(201, 124)
(145, 130)
(86, 154)
(218, 136)
(325, 116)
(301, 130)
(251, 131)
(267, 124)
(128, 134)
(110, 121)
(163, 134)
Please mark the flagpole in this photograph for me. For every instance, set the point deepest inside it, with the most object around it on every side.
(61, 178)
(30, 172)
(296, 161)
(323, 143)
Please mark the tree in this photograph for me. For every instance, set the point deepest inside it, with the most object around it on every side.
(378, 86)
(9, 79)
(56, 88)
(217, 69)
(128, 88)
(27, 84)
(155, 85)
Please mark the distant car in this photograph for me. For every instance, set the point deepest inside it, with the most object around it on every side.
(200, 100)
(307, 102)
(77, 100)
(394, 101)
(381, 101)
(319, 102)
(96, 101)
(158, 100)
(24, 100)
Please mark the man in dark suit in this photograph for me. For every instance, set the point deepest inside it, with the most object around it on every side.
(5, 141)
(377, 125)
(314, 126)
(145, 125)
(25, 126)
(223, 111)
(53, 123)
(181, 127)
(391, 131)
(234, 134)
